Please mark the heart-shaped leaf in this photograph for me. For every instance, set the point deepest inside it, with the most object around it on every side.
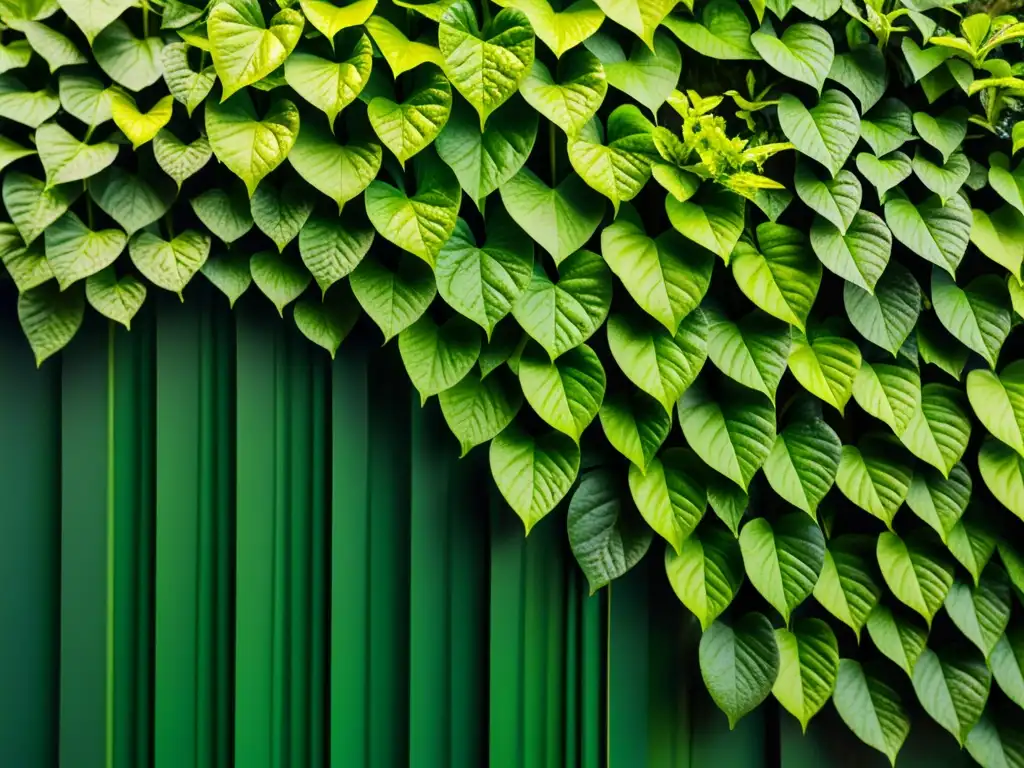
(1003, 473)
(827, 132)
(918, 574)
(733, 433)
(713, 218)
(780, 275)
(117, 300)
(826, 365)
(281, 212)
(328, 85)
(871, 709)
(889, 392)
(32, 206)
(393, 296)
(804, 52)
(477, 410)
(938, 500)
(887, 126)
(331, 247)
(837, 199)
(606, 534)
(886, 172)
(482, 283)
(56, 49)
(939, 430)
(707, 572)
(981, 612)
(85, 98)
(648, 76)
(875, 475)
(341, 172)
(244, 49)
(437, 357)
(567, 393)
(888, 316)
(641, 17)
(169, 264)
(670, 495)
(185, 84)
(1008, 185)
(329, 19)
(861, 72)
(575, 97)
(75, 251)
(562, 219)
(723, 32)
(808, 667)
(944, 180)
(922, 62)
(178, 160)
(130, 200)
(27, 265)
(739, 664)
(560, 30)
(847, 586)
(251, 148)
(803, 463)
(946, 132)
(280, 278)
(129, 61)
(934, 231)
(751, 352)
(783, 560)
(898, 636)
(400, 53)
(50, 318)
(979, 314)
(225, 212)
(327, 321)
(485, 65)
(409, 127)
(636, 425)
(1000, 236)
(998, 402)
(1007, 662)
(620, 167)
(533, 473)
(67, 159)
(662, 365)
(953, 689)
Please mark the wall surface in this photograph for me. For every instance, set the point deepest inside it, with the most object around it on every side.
(218, 548)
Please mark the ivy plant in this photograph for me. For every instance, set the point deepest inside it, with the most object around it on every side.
(734, 281)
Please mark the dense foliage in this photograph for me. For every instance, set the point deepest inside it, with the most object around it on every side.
(794, 226)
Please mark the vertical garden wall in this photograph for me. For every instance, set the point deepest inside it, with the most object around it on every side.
(719, 297)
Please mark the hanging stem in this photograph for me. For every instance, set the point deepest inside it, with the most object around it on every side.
(145, 19)
(88, 206)
(169, 225)
(553, 158)
(487, 12)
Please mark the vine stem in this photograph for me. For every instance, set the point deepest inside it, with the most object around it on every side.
(88, 207)
(169, 224)
(145, 19)
(551, 152)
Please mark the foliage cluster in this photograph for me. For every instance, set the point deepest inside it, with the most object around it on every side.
(794, 226)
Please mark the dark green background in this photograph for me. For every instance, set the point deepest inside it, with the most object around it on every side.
(218, 548)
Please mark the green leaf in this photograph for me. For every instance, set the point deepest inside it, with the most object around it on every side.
(713, 218)
(393, 297)
(327, 322)
(751, 352)
(117, 300)
(67, 159)
(733, 434)
(944, 180)
(31, 108)
(887, 126)
(886, 317)
(127, 60)
(620, 168)
(804, 52)
(978, 315)
(33, 207)
(420, 224)
(281, 279)
(838, 199)
(409, 127)
(185, 84)
(11, 151)
(178, 160)
(886, 172)
(341, 172)
(847, 587)
(636, 425)
(85, 98)
(972, 543)
(560, 220)
(998, 402)
(670, 495)
(827, 132)
(225, 212)
(281, 213)
(606, 535)
(922, 62)
(50, 318)
(897, 636)
(994, 746)
(918, 574)
(660, 364)
(946, 132)
(328, 85)
(808, 666)
(485, 65)
(533, 474)
(938, 500)
(92, 16)
(936, 232)
(331, 247)
(860, 256)
(1000, 237)
(400, 53)
(437, 357)
(169, 265)
(862, 72)
(1007, 662)
(780, 275)
(783, 561)
(803, 463)
(27, 265)
(75, 251)
(57, 50)
(560, 316)
(567, 393)
(707, 573)
(937, 346)
(483, 283)
(875, 476)
(953, 690)
(575, 97)
(329, 19)
(251, 148)
(485, 161)
(648, 76)
(871, 709)
(1003, 473)
(560, 30)
(641, 17)
(477, 410)
(666, 276)
(723, 32)
(1008, 185)
(245, 50)
(130, 200)
(728, 501)
(14, 55)
(982, 613)
(739, 664)
(889, 392)
(230, 274)
(940, 429)
(826, 366)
